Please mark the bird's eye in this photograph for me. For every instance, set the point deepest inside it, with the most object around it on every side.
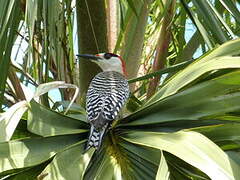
(107, 55)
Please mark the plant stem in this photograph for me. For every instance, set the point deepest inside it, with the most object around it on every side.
(162, 47)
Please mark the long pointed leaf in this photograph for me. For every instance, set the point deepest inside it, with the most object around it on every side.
(9, 120)
(45, 122)
(69, 164)
(163, 172)
(193, 148)
(30, 152)
(217, 96)
(192, 72)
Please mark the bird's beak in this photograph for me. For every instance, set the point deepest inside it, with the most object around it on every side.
(89, 56)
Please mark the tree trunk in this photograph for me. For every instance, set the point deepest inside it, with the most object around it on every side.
(112, 20)
(92, 38)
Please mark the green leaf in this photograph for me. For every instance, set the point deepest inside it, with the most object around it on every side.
(228, 32)
(216, 96)
(74, 107)
(210, 20)
(9, 21)
(192, 72)
(31, 17)
(163, 172)
(201, 28)
(138, 167)
(45, 122)
(9, 120)
(229, 48)
(227, 136)
(102, 166)
(30, 152)
(173, 68)
(46, 87)
(235, 155)
(149, 154)
(21, 131)
(69, 164)
(28, 173)
(193, 148)
(132, 6)
(232, 8)
(138, 161)
(180, 169)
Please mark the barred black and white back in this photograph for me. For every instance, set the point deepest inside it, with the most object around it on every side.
(106, 95)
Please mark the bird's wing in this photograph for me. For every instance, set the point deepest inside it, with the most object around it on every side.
(106, 95)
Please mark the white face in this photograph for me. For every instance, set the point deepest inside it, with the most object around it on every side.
(111, 64)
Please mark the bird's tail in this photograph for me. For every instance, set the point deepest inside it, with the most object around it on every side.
(95, 138)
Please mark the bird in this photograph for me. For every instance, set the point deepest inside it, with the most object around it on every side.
(107, 93)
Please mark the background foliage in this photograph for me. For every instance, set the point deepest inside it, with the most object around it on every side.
(182, 120)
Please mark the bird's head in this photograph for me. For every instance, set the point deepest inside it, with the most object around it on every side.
(107, 62)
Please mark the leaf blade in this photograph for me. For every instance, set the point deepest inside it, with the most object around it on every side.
(191, 147)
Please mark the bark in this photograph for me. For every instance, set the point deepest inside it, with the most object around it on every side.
(16, 85)
(86, 40)
(112, 21)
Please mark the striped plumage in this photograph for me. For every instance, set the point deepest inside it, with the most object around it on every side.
(107, 93)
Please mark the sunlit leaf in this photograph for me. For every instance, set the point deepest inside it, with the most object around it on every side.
(191, 147)
(163, 172)
(9, 120)
(194, 71)
(75, 160)
(30, 152)
(45, 122)
(217, 96)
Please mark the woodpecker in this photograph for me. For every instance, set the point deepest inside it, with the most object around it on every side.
(106, 95)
